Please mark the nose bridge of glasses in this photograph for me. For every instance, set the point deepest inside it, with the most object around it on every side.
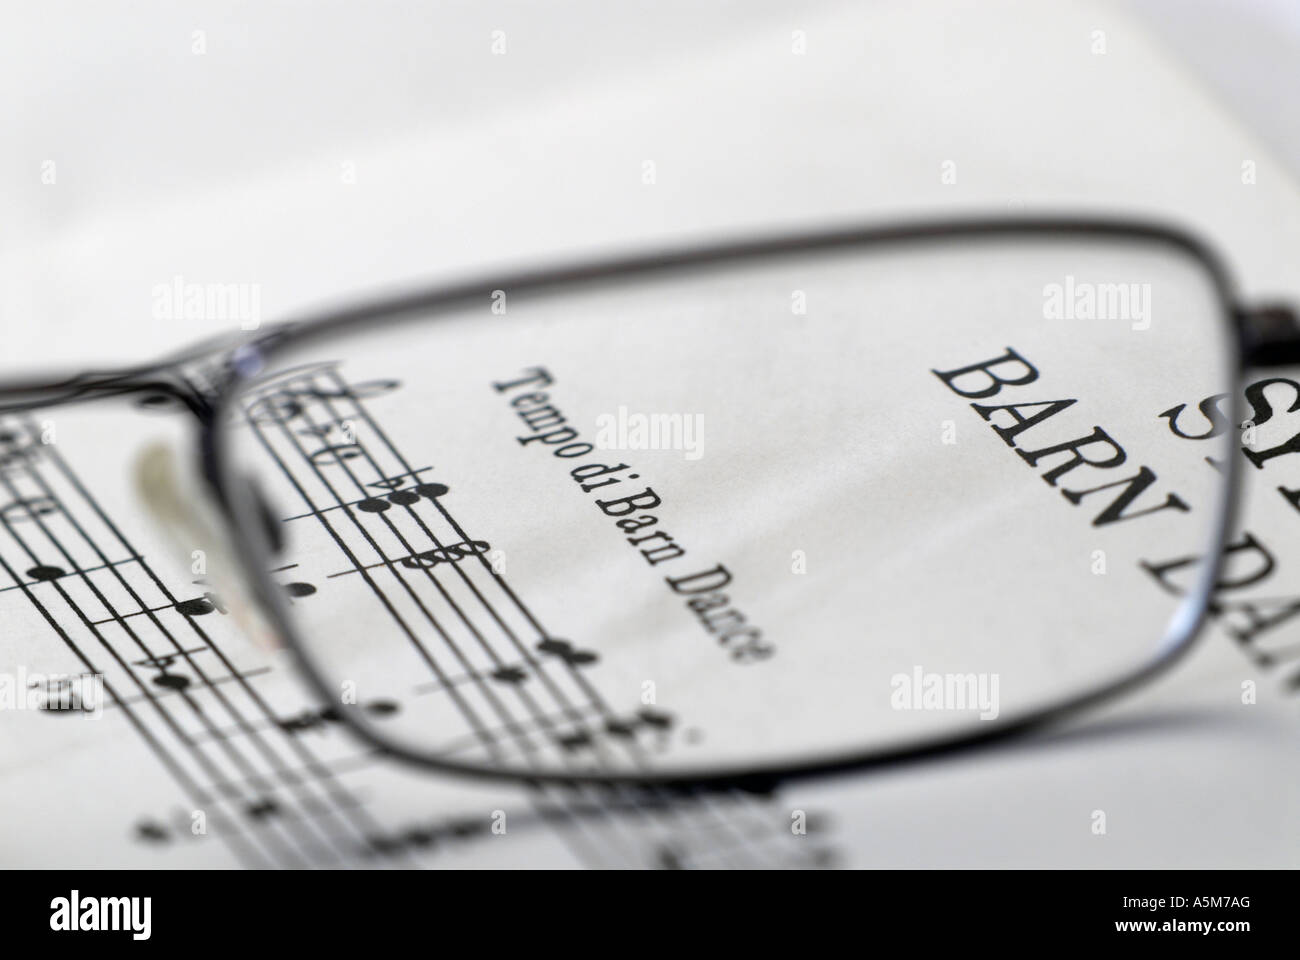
(1270, 335)
(188, 522)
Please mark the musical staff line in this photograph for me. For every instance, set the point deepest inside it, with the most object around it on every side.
(246, 853)
(482, 734)
(213, 681)
(413, 474)
(360, 452)
(277, 850)
(307, 845)
(340, 389)
(271, 799)
(466, 711)
(539, 718)
(534, 663)
(358, 820)
(36, 583)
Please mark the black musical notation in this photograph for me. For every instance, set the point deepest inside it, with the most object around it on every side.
(509, 674)
(56, 538)
(15, 452)
(337, 494)
(627, 727)
(151, 831)
(201, 606)
(46, 572)
(451, 553)
(210, 602)
(335, 488)
(319, 718)
(335, 454)
(270, 797)
(260, 809)
(567, 652)
(289, 401)
(28, 510)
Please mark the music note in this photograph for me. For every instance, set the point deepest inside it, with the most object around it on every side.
(29, 509)
(401, 498)
(307, 720)
(365, 390)
(46, 572)
(452, 553)
(17, 455)
(655, 718)
(335, 454)
(320, 432)
(151, 832)
(163, 663)
(575, 741)
(509, 674)
(197, 607)
(620, 728)
(289, 403)
(645, 717)
(566, 651)
(261, 809)
(274, 408)
(318, 718)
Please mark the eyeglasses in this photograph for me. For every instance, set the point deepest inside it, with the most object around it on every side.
(726, 516)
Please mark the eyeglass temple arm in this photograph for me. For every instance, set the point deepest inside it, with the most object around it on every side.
(1270, 336)
(17, 396)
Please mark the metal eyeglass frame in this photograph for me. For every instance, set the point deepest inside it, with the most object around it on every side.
(1256, 338)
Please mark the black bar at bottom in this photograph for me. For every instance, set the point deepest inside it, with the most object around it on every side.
(328, 910)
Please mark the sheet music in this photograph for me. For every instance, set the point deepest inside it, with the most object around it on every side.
(201, 720)
(248, 769)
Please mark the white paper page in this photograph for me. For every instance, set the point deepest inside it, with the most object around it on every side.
(755, 136)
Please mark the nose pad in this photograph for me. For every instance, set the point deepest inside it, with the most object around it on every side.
(197, 534)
